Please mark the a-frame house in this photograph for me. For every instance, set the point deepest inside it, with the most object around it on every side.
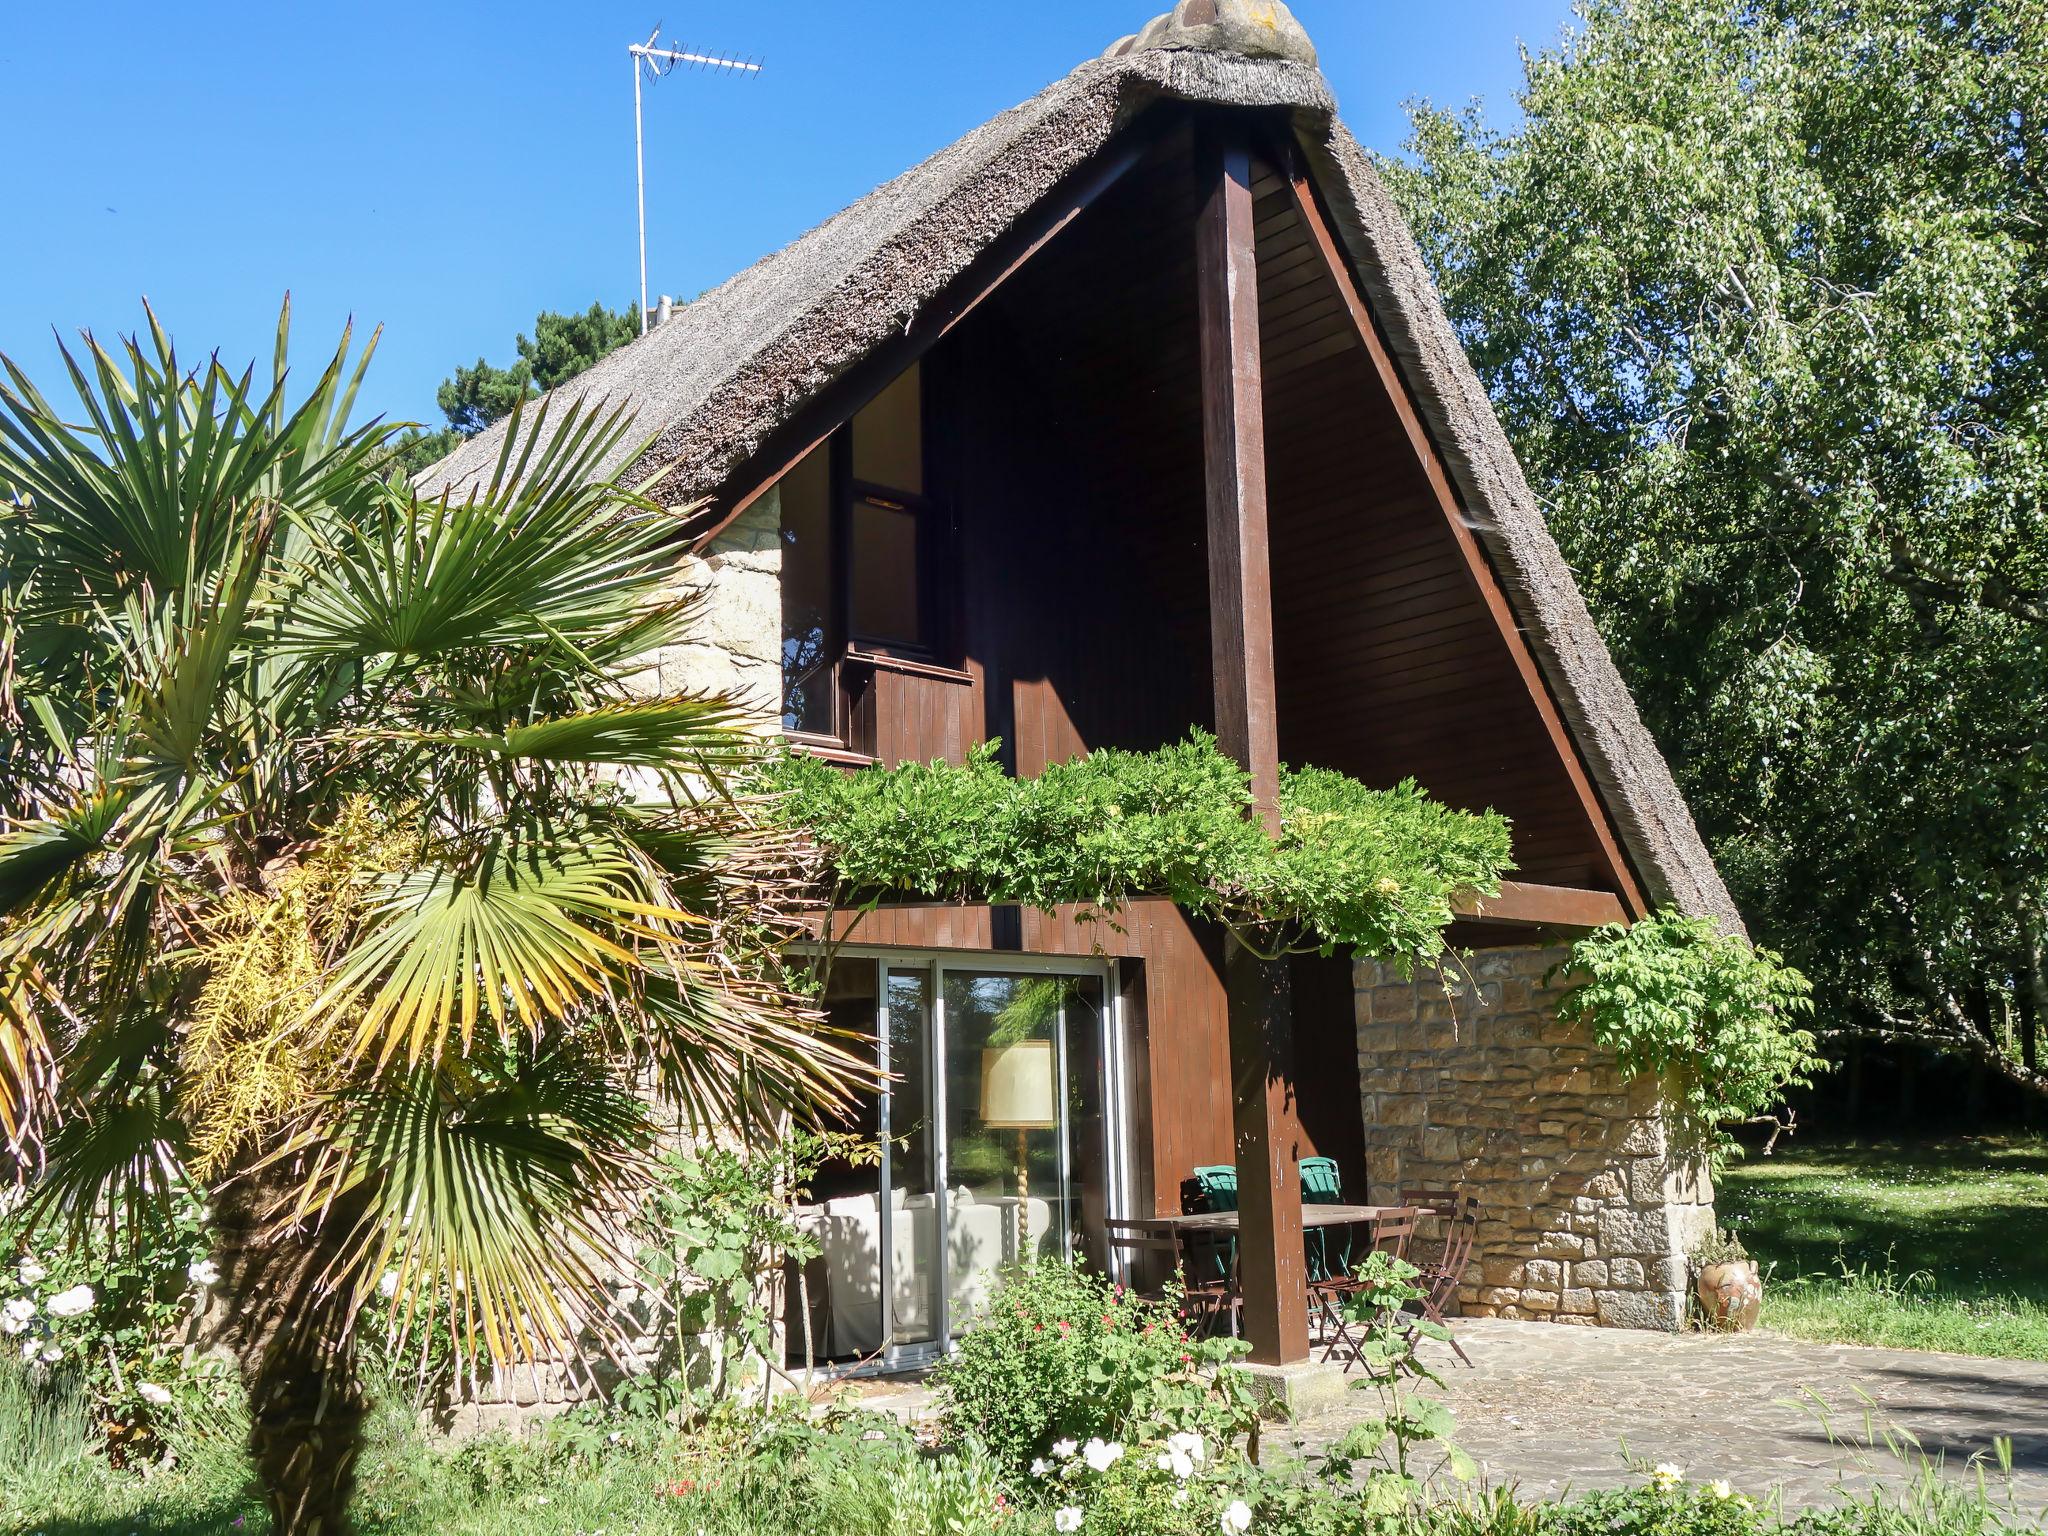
(1135, 410)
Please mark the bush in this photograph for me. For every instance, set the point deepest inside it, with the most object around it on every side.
(1675, 998)
(1060, 1354)
(100, 1315)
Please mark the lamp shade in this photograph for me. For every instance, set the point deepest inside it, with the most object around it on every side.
(1017, 1088)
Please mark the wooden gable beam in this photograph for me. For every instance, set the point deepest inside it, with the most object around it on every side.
(1478, 571)
(1544, 906)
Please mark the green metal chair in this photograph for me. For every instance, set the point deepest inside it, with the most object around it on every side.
(1211, 1258)
(1321, 1184)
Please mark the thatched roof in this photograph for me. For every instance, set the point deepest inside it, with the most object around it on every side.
(711, 384)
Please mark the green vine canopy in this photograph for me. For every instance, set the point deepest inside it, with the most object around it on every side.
(1353, 868)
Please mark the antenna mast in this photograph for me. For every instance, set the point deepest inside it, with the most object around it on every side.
(664, 61)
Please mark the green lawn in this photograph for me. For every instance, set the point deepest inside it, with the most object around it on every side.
(1927, 1245)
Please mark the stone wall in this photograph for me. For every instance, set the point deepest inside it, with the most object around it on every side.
(1585, 1215)
(736, 646)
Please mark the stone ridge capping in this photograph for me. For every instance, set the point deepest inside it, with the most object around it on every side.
(1254, 29)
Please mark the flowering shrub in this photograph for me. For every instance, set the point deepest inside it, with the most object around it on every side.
(1059, 1354)
(1179, 1484)
(110, 1315)
(1665, 1504)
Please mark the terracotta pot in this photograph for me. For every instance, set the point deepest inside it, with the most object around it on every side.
(1732, 1294)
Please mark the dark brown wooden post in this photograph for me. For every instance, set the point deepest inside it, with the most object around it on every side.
(1271, 1262)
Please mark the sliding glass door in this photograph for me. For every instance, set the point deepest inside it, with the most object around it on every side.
(997, 1142)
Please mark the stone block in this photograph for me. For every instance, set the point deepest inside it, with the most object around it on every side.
(1440, 1144)
(1636, 1309)
(1634, 1232)
(1392, 1005)
(1299, 1393)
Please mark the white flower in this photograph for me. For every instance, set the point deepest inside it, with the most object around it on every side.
(1238, 1517)
(1063, 1450)
(16, 1314)
(1665, 1476)
(75, 1302)
(202, 1273)
(1189, 1444)
(32, 1273)
(1180, 1496)
(1178, 1462)
(52, 1352)
(29, 1348)
(1040, 1466)
(1101, 1455)
(1721, 1489)
(1068, 1519)
(152, 1393)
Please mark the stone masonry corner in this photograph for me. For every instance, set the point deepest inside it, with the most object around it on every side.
(1586, 1214)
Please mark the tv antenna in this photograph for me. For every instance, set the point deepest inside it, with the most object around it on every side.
(665, 61)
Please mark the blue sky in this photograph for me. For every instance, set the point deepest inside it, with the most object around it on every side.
(449, 169)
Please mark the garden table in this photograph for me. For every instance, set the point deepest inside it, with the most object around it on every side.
(1199, 1224)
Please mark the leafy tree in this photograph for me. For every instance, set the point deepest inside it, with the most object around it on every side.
(562, 346)
(1760, 289)
(343, 878)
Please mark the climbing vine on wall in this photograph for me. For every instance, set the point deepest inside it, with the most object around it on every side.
(1676, 998)
(1353, 868)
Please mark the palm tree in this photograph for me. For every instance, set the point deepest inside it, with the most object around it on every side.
(345, 875)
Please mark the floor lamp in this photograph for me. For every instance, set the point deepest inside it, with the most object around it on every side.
(1018, 1093)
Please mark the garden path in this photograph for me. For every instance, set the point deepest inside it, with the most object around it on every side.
(1551, 1407)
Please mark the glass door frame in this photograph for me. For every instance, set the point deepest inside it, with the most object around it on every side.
(1113, 1047)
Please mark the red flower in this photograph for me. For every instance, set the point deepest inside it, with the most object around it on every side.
(1065, 1326)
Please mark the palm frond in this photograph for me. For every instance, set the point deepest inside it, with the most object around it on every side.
(507, 1180)
(544, 555)
(27, 1073)
(525, 932)
(677, 735)
(151, 487)
(111, 1155)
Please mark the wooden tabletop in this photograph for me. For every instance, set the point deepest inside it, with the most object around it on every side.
(1311, 1216)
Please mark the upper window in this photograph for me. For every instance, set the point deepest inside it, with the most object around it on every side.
(859, 541)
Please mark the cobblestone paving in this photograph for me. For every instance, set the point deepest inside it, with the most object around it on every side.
(1551, 1408)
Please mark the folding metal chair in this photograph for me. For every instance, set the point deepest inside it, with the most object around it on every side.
(1441, 1277)
(1204, 1297)
(1390, 1235)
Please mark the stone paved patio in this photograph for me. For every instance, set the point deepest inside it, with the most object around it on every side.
(1550, 1408)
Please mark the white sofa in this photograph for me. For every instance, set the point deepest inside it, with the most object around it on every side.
(981, 1238)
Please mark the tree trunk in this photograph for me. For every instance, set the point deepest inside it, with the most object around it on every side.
(2033, 984)
(292, 1341)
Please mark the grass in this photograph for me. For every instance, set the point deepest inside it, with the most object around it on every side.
(1939, 1244)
